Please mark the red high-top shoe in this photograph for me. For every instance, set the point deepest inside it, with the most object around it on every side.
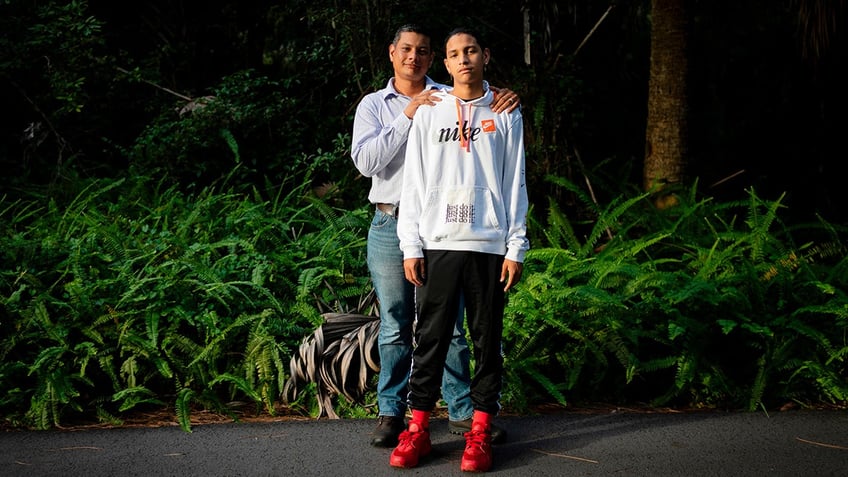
(478, 450)
(413, 444)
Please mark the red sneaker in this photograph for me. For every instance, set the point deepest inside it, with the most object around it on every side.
(413, 444)
(478, 451)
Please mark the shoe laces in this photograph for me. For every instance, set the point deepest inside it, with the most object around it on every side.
(477, 439)
(408, 440)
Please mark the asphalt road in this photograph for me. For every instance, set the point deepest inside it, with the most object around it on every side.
(792, 443)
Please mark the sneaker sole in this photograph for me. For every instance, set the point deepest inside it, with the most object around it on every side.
(402, 465)
(471, 468)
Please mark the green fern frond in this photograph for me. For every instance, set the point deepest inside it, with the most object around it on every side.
(262, 356)
(555, 259)
(528, 344)
(213, 347)
(760, 224)
(72, 222)
(231, 142)
(759, 385)
(162, 366)
(579, 192)
(182, 405)
(239, 383)
(657, 364)
(686, 369)
(608, 220)
(547, 384)
(618, 346)
(178, 347)
(104, 416)
(20, 211)
(559, 231)
(133, 396)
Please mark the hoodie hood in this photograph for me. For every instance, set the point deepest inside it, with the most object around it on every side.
(485, 100)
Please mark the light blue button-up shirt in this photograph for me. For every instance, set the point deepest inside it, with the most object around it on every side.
(378, 146)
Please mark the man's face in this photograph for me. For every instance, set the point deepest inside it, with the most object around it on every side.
(412, 56)
(464, 59)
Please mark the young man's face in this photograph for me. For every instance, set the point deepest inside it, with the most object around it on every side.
(412, 56)
(465, 59)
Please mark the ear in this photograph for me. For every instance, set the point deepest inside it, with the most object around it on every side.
(486, 56)
(391, 51)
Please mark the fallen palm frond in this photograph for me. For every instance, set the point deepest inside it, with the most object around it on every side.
(340, 357)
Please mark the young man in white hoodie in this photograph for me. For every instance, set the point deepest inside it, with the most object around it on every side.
(462, 230)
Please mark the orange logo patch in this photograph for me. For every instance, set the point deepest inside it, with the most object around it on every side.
(488, 125)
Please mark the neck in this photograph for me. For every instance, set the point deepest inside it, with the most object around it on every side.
(468, 92)
(409, 88)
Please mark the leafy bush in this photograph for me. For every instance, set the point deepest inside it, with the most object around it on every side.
(707, 304)
(137, 295)
(249, 121)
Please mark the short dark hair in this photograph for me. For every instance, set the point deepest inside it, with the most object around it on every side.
(410, 28)
(467, 31)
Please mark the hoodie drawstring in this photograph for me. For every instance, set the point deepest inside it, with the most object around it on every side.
(464, 139)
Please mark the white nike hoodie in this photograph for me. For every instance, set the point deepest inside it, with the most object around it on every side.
(464, 187)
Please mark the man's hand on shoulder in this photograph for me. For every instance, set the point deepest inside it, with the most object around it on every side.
(424, 98)
(505, 100)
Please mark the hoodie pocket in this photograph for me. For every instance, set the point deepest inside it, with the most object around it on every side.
(460, 214)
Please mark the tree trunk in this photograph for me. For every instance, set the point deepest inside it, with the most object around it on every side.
(665, 146)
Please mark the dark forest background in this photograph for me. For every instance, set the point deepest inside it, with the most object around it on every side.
(94, 79)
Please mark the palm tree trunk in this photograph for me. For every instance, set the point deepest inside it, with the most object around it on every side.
(665, 147)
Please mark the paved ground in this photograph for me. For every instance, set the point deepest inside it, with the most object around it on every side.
(793, 443)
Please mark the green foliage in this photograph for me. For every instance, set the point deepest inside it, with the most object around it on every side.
(706, 304)
(246, 128)
(133, 295)
(67, 41)
(134, 291)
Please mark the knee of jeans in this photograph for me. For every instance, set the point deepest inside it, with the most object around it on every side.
(392, 335)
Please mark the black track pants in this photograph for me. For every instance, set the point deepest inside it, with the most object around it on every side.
(475, 275)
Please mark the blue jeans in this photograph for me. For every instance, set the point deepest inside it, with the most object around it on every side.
(396, 297)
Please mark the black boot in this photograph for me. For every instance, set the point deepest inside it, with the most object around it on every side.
(387, 431)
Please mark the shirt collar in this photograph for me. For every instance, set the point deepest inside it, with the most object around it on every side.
(390, 91)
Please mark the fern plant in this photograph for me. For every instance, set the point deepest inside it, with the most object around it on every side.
(134, 294)
(698, 306)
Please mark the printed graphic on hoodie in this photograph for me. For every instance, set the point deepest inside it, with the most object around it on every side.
(460, 213)
(453, 134)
